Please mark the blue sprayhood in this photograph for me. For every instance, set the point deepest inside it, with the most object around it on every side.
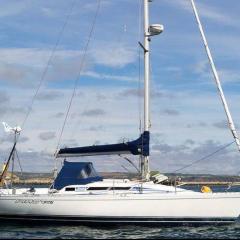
(74, 173)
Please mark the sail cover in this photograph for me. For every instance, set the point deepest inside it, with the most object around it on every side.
(139, 146)
(76, 173)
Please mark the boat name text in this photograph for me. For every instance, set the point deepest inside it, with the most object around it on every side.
(31, 201)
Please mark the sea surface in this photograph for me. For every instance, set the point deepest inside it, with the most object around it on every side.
(45, 231)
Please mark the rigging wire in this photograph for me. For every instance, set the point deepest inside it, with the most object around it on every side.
(130, 161)
(44, 73)
(206, 157)
(19, 163)
(79, 75)
(125, 169)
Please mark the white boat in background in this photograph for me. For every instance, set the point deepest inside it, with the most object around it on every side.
(79, 194)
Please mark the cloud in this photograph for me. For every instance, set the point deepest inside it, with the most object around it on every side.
(4, 98)
(13, 111)
(114, 55)
(165, 148)
(94, 112)
(80, 94)
(25, 66)
(70, 143)
(96, 128)
(12, 8)
(50, 95)
(11, 73)
(52, 10)
(131, 93)
(227, 76)
(156, 138)
(189, 142)
(109, 77)
(206, 11)
(216, 15)
(101, 97)
(139, 93)
(59, 115)
(10, 138)
(202, 68)
(194, 125)
(222, 124)
(196, 158)
(45, 136)
(171, 112)
(33, 161)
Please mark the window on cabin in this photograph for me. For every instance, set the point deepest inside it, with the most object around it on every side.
(97, 188)
(107, 188)
(87, 172)
(119, 188)
(83, 174)
(70, 189)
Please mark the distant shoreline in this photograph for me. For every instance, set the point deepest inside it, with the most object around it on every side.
(182, 179)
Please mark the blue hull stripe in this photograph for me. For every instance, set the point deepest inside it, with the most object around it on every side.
(116, 219)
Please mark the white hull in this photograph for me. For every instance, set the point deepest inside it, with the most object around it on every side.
(153, 207)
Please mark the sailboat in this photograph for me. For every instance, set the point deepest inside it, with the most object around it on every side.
(79, 194)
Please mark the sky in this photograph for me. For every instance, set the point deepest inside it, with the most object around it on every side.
(46, 44)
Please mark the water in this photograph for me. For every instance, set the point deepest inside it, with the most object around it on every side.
(11, 231)
(36, 231)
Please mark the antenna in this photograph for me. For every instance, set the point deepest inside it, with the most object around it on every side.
(7, 128)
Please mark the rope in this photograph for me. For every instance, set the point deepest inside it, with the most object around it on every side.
(79, 74)
(206, 157)
(48, 63)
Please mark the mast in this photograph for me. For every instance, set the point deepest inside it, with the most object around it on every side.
(145, 159)
(149, 30)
